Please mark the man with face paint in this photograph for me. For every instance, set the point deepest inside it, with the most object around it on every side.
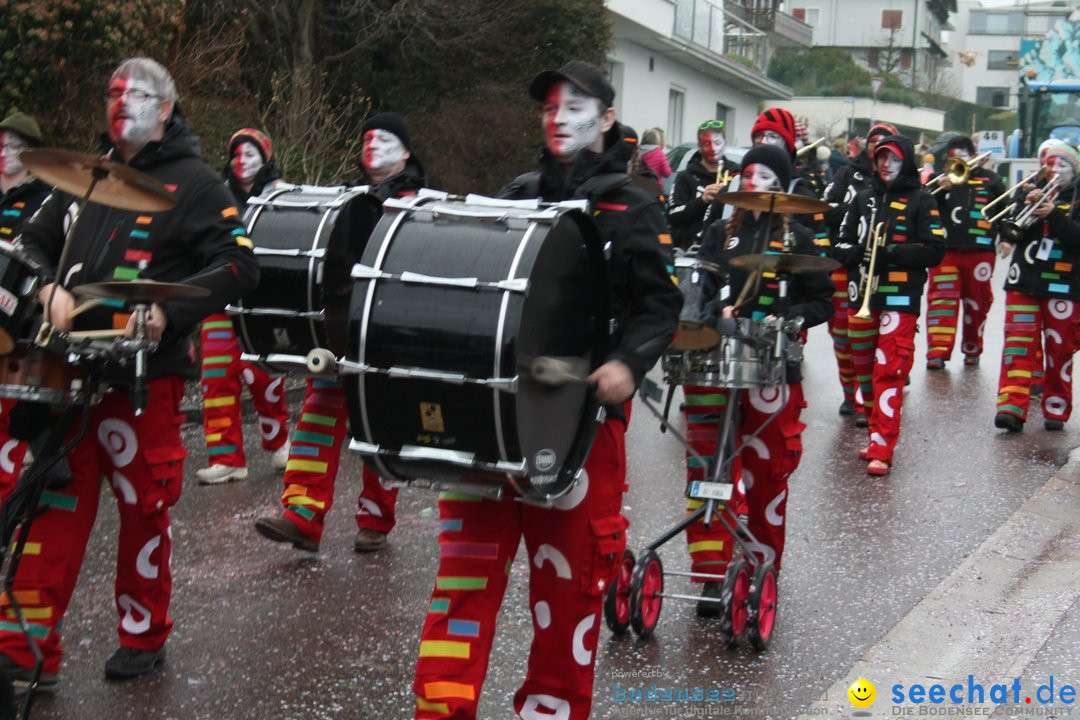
(696, 186)
(883, 346)
(962, 280)
(771, 460)
(201, 243)
(391, 169)
(1042, 301)
(20, 196)
(848, 182)
(249, 173)
(574, 546)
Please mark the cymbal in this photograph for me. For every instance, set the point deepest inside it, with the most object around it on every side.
(784, 263)
(118, 185)
(774, 202)
(142, 291)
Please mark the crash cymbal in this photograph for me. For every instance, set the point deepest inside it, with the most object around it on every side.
(774, 202)
(141, 291)
(117, 185)
(784, 263)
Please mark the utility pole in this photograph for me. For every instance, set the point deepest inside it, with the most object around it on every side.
(915, 43)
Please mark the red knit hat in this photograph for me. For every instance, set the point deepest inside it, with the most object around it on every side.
(882, 129)
(779, 121)
(259, 139)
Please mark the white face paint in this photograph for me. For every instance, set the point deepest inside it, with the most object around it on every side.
(960, 153)
(133, 111)
(759, 177)
(711, 144)
(1063, 169)
(889, 164)
(11, 154)
(382, 149)
(246, 161)
(572, 121)
(770, 137)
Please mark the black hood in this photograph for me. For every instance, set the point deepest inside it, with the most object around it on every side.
(412, 177)
(909, 172)
(177, 142)
(268, 173)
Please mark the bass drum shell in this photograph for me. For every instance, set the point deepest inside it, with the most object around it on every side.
(481, 334)
(306, 239)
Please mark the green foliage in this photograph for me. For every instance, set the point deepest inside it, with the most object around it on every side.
(58, 53)
(818, 71)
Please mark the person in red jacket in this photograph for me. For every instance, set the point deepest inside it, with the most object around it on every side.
(133, 438)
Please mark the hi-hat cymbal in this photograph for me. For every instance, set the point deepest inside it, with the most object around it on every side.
(784, 263)
(117, 185)
(774, 202)
(141, 291)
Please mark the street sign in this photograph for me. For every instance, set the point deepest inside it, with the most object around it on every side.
(875, 85)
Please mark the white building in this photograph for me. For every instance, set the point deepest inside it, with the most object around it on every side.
(986, 45)
(676, 63)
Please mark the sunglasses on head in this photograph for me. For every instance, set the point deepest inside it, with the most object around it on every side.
(711, 125)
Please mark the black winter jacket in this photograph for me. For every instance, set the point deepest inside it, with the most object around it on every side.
(645, 303)
(915, 239)
(19, 204)
(266, 175)
(406, 182)
(809, 294)
(849, 181)
(1050, 268)
(200, 242)
(961, 211)
(686, 209)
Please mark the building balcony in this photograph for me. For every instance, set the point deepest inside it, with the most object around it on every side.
(784, 30)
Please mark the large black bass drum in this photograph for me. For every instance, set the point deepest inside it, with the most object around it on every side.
(306, 238)
(453, 303)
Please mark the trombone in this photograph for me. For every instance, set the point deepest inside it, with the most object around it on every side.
(877, 237)
(1011, 230)
(957, 171)
(1036, 177)
(812, 146)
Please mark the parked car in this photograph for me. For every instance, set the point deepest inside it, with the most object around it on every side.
(679, 156)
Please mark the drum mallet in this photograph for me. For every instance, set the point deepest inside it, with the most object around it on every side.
(559, 371)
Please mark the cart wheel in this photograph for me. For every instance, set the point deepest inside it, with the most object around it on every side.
(734, 594)
(763, 604)
(617, 600)
(646, 584)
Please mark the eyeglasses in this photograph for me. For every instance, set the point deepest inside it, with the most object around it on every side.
(136, 95)
(711, 125)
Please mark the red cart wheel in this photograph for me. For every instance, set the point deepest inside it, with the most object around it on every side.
(763, 604)
(617, 600)
(646, 586)
(733, 609)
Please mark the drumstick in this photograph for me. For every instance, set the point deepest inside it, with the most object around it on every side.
(106, 333)
(555, 371)
(88, 305)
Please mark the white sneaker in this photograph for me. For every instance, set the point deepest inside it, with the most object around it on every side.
(280, 457)
(218, 474)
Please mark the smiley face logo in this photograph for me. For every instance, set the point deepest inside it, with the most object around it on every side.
(862, 693)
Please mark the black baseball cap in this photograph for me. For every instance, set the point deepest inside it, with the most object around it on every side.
(583, 75)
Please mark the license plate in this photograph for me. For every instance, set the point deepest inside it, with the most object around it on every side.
(701, 490)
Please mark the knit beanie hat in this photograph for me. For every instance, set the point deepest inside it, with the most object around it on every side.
(390, 122)
(881, 129)
(773, 158)
(1066, 151)
(1046, 145)
(24, 126)
(801, 133)
(253, 136)
(779, 121)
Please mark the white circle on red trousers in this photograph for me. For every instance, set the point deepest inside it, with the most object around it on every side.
(774, 518)
(766, 400)
(1066, 371)
(885, 401)
(983, 271)
(1056, 405)
(1061, 309)
(119, 440)
(542, 613)
(889, 322)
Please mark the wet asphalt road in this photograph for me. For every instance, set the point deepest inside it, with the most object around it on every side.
(265, 631)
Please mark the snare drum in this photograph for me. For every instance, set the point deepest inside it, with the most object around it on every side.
(452, 302)
(745, 359)
(38, 375)
(305, 238)
(19, 282)
(691, 273)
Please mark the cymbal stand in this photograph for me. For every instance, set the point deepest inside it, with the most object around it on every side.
(22, 506)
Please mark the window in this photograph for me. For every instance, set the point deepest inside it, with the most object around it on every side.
(723, 113)
(905, 59)
(872, 56)
(992, 96)
(984, 22)
(892, 19)
(675, 116)
(1002, 60)
(806, 15)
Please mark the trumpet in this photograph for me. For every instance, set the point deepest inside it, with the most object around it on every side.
(807, 148)
(877, 237)
(957, 170)
(1011, 230)
(723, 177)
(1036, 177)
